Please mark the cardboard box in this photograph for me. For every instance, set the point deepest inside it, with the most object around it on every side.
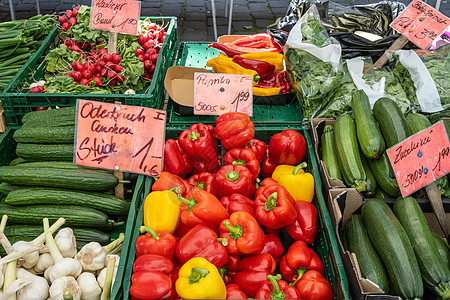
(2, 120)
(344, 203)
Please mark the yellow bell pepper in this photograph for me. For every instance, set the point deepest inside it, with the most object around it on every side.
(225, 64)
(286, 169)
(259, 91)
(200, 279)
(276, 59)
(162, 210)
(299, 185)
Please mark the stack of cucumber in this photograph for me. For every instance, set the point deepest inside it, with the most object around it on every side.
(354, 150)
(398, 251)
(43, 181)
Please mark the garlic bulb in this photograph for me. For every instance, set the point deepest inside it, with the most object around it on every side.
(89, 286)
(36, 290)
(65, 267)
(57, 287)
(47, 273)
(22, 273)
(45, 261)
(92, 257)
(29, 260)
(66, 242)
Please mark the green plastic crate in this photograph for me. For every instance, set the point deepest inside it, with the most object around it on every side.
(17, 101)
(7, 146)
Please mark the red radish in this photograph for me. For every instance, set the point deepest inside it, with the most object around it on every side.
(75, 65)
(104, 72)
(107, 57)
(141, 58)
(152, 69)
(37, 89)
(102, 51)
(87, 74)
(111, 75)
(139, 52)
(62, 19)
(74, 48)
(76, 75)
(154, 58)
(161, 39)
(75, 11)
(68, 75)
(69, 13)
(92, 68)
(113, 82)
(120, 78)
(146, 77)
(86, 65)
(150, 51)
(147, 64)
(73, 21)
(116, 58)
(40, 108)
(118, 68)
(141, 40)
(82, 55)
(146, 56)
(80, 66)
(85, 82)
(97, 80)
(84, 45)
(65, 26)
(102, 63)
(68, 42)
(98, 75)
(98, 68)
(152, 26)
(147, 45)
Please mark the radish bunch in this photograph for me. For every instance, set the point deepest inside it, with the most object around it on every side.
(151, 40)
(69, 19)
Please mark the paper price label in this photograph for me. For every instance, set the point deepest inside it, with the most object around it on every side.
(120, 137)
(216, 93)
(420, 159)
(116, 15)
(420, 23)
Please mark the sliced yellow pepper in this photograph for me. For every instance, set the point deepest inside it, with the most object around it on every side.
(299, 185)
(162, 210)
(200, 279)
(276, 59)
(286, 169)
(225, 64)
(259, 91)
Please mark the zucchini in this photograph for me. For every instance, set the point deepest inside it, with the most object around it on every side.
(371, 182)
(79, 179)
(380, 194)
(348, 153)
(75, 215)
(49, 113)
(434, 272)
(367, 128)
(60, 121)
(329, 153)
(392, 121)
(384, 174)
(443, 248)
(45, 135)
(110, 205)
(60, 152)
(6, 188)
(392, 244)
(17, 161)
(369, 262)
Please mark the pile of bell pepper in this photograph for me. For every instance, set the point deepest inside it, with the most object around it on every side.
(211, 226)
(255, 55)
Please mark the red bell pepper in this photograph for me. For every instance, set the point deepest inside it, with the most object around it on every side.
(202, 207)
(258, 262)
(226, 275)
(305, 226)
(287, 147)
(161, 243)
(298, 260)
(233, 262)
(227, 51)
(275, 288)
(275, 232)
(234, 292)
(267, 167)
(202, 241)
(276, 80)
(238, 202)
(174, 277)
(263, 68)
(312, 286)
(153, 262)
(200, 145)
(245, 157)
(167, 181)
(263, 41)
(176, 160)
(234, 179)
(266, 182)
(181, 230)
(274, 207)
(259, 147)
(150, 285)
(234, 129)
(273, 246)
(243, 233)
(205, 180)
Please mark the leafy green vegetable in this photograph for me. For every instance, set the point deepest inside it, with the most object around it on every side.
(312, 32)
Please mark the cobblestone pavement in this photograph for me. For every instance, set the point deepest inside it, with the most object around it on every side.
(194, 16)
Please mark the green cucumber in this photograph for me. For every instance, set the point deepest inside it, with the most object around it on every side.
(384, 174)
(59, 165)
(367, 128)
(6, 188)
(371, 182)
(64, 120)
(17, 161)
(329, 153)
(79, 179)
(443, 248)
(44, 135)
(348, 152)
(110, 205)
(369, 262)
(62, 152)
(49, 113)
(393, 124)
(434, 272)
(392, 244)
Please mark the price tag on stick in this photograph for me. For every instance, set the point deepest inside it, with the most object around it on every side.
(217, 93)
(120, 137)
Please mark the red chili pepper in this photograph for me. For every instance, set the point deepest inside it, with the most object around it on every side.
(259, 40)
(234, 179)
(227, 51)
(305, 226)
(259, 147)
(204, 180)
(167, 181)
(274, 207)
(150, 285)
(200, 145)
(245, 157)
(153, 262)
(202, 241)
(161, 243)
(263, 68)
(234, 129)
(176, 160)
(202, 207)
(273, 246)
(234, 292)
(243, 233)
(267, 167)
(238, 202)
(275, 288)
(298, 260)
(287, 147)
(312, 286)
(258, 262)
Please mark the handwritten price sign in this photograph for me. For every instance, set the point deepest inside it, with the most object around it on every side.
(420, 159)
(120, 137)
(216, 93)
(116, 15)
(420, 23)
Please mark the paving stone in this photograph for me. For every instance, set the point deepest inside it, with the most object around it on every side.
(240, 9)
(194, 25)
(195, 35)
(279, 11)
(242, 25)
(150, 4)
(261, 15)
(263, 23)
(219, 20)
(260, 7)
(150, 11)
(195, 16)
(278, 3)
(221, 30)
